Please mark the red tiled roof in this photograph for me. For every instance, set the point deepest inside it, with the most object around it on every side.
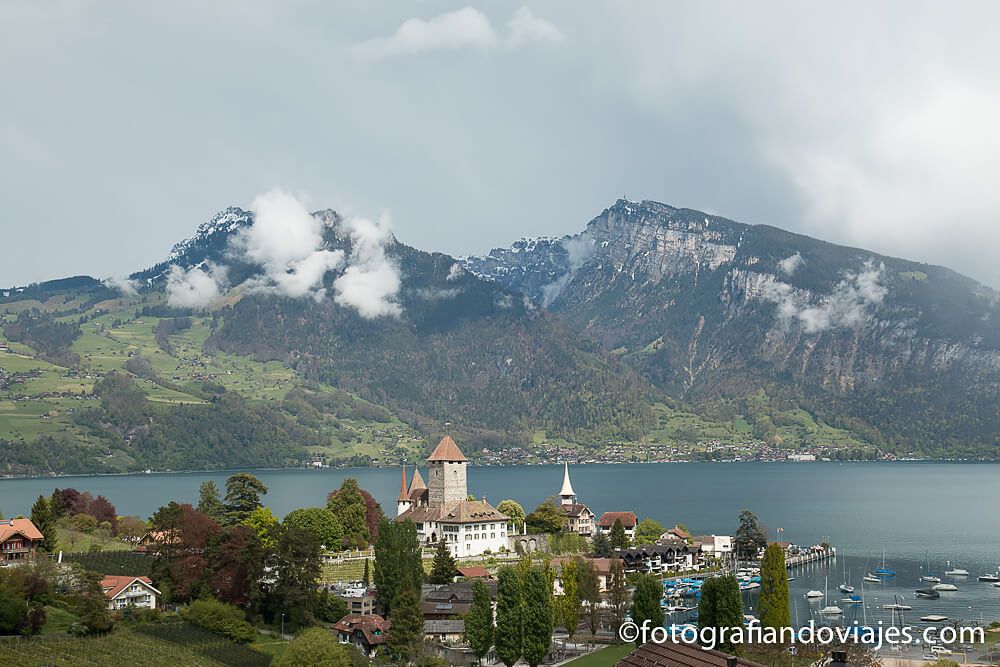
(417, 483)
(601, 565)
(367, 624)
(115, 584)
(475, 572)
(628, 519)
(447, 450)
(678, 654)
(11, 527)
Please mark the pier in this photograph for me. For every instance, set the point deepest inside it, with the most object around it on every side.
(811, 556)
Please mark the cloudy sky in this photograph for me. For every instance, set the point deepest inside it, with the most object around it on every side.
(125, 125)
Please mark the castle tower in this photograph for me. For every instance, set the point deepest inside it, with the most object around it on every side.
(403, 501)
(566, 494)
(418, 490)
(446, 470)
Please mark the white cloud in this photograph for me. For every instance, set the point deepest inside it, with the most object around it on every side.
(466, 28)
(196, 287)
(455, 272)
(371, 281)
(287, 241)
(848, 304)
(526, 27)
(123, 285)
(578, 250)
(789, 264)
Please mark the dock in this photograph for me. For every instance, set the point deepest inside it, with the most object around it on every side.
(811, 556)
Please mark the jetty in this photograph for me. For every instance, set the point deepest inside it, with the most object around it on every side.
(811, 555)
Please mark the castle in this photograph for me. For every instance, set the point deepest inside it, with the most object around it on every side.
(443, 511)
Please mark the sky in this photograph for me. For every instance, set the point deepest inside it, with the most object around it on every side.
(124, 125)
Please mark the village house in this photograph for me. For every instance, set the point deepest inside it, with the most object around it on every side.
(129, 591)
(580, 518)
(474, 572)
(443, 511)
(450, 631)
(367, 633)
(628, 519)
(445, 601)
(660, 558)
(601, 565)
(19, 538)
(714, 547)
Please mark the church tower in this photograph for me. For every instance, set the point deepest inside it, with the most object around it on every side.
(446, 471)
(566, 494)
(403, 501)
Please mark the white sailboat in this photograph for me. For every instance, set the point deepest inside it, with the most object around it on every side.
(929, 576)
(945, 587)
(832, 609)
(956, 571)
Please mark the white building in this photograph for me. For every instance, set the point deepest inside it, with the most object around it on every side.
(127, 591)
(580, 518)
(443, 511)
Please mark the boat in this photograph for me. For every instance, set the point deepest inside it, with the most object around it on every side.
(933, 618)
(956, 572)
(990, 577)
(945, 587)
(814, 594)
(831, 609)
(928, 593)
(846, 588)
(895, 606)
(882, 571)
(997, 584)
(871, 577)
(929, 576)
(853, 599)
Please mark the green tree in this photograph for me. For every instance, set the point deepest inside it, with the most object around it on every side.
(648, 532)
(444, 569)
(721, 607)
(13, 611)
(297, 563)
(538, 616)
(646, 601)
(509, 634)
(618, 595)
(774, 607)
(407, 629)
(513, 510)
(590, 593)
(91, 605)
(548, 517)
(314, 647)
(601, 546)
(209, 502)
(568, 602)
(264, 525)
(348, 506)
(243, 492)
(41, 516)
(397, 556)
(366, 578)
(750, 537)
(320, 522)
(619, 538)
(479, 620)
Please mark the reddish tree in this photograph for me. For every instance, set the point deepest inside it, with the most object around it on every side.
(237, 561)
(63, 501)
(373, 511)
(101, 509)
(189, 562)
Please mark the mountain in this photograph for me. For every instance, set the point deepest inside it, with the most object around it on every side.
(706, 308)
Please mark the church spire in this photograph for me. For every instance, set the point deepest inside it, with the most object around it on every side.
(403, 493)
(567, 494)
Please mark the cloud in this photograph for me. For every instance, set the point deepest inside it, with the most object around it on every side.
(790, 263)
(466, 28)
(195, 287)
(578, 250)
(455, 272)
(123, 285)
(437, 294)
(371, 281)
(848, 305)
(287, 242)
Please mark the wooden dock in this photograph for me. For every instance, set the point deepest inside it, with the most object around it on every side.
(811, 556)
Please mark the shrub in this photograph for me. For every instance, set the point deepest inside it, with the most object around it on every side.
(220, 618)
(314, 646)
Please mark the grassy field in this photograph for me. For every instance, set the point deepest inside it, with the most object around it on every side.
(153, 644)
(605, 657)
(57, 621)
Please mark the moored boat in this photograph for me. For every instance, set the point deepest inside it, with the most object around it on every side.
(928, 593)
(945, 587)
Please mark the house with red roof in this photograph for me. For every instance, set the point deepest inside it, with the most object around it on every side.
(607, 521)
(124, 591)
(19, 538)
(366, 632)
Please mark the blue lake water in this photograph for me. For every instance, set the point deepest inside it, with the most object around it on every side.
(915, 512)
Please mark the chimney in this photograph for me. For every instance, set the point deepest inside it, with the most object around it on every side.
(732, 661)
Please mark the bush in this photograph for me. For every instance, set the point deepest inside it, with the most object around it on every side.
(220, 618)
(314, 646)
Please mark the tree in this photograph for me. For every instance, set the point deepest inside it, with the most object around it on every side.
(265, 525)
(91, 605)
(619, 538)
(537, 611)
(131, 527)
(721, 607)
(320, 522)
(209, 502)
(237, 562)
(366, 578)
(646, 601)
(479, 620)
(101, 509)
(648, 532)
(750, 537)
(347, 504)
(243, 492)
(548, 517)
(568, 603)
(509, 634)
(618, 597)
(13, 611)
(314, 647)
(775, 611)
(298, 566)
(41, 516)
(601, 546)
(590, 593)
(444, 569)
(513, 510)
(397, 556)
(407, 627)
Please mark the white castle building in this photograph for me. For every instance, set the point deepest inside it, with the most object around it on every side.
(443, 511)
(579, 517)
